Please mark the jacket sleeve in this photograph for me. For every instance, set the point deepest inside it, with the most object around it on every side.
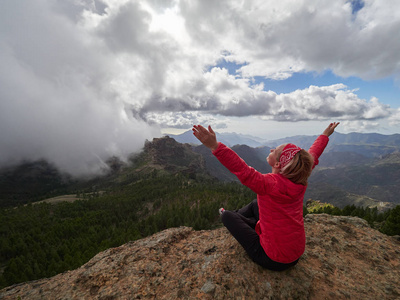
(318, 147)
(247, 175)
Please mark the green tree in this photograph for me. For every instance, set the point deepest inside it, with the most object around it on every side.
(392, 223)
(11, 272)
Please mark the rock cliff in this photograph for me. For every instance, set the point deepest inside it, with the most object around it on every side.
(344, 259)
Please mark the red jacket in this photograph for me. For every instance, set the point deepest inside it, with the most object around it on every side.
(280, 203)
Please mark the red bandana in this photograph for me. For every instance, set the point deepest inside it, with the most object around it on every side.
(288, 153)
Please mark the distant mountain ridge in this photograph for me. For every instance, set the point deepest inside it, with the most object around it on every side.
(366, 144)
(229, 139)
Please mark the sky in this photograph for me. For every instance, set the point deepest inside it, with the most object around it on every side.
(83, 80)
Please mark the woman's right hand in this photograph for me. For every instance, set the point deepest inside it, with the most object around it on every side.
(206, 137)
(330, 129)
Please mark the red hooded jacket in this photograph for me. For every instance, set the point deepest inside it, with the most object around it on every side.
(280, 203)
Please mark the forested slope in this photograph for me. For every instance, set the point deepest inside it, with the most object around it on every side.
(165, 186)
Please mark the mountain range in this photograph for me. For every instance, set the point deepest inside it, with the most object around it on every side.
(229, 139)
(365, 144)
(360, 169)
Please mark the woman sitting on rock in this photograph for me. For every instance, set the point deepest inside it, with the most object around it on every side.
(271, 228)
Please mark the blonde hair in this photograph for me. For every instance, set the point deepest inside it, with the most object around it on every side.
(299, 168)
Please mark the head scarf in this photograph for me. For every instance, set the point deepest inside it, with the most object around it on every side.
(288, 152)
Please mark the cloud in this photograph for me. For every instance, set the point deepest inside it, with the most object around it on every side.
(360, 126)
(313, 103)
(81, 80)
(394, 119)
(186, 120)
(57, 96)
(276, 39)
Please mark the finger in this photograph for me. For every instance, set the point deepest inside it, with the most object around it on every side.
(200, 132)
(196, 131)
(198, 128)
(202, 129)
(210, 129)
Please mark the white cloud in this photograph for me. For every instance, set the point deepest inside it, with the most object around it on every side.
(394, 119)
(186, 120)
(84, 79)
(359, 126)
(279, 38)
(313, 103)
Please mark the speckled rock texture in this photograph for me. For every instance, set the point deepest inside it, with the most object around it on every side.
(344, 259)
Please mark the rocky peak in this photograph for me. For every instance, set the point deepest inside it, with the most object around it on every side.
(344, 259)
(173, 156)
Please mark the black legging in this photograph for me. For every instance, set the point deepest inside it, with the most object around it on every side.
(241, 224)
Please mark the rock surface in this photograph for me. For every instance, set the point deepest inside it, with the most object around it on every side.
(344, 259)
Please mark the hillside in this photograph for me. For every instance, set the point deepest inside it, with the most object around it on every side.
(32, 181)
(255, 157)
(344, 259)
(373, 182)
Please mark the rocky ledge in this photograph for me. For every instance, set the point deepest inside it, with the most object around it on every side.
(344, 259)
